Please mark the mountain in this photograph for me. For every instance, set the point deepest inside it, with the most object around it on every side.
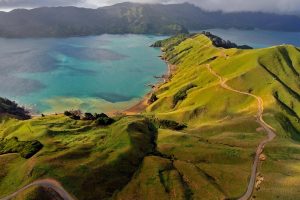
(133, 18)
(197, 139)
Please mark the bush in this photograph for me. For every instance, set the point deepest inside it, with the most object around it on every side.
(168, 124)
(75, 117)
(12, 108)
(103, 120)
(67, 113)
(182, 94)
(74, 114)
(26, 149)
(102, 115)
(152, 99)
(89, 116)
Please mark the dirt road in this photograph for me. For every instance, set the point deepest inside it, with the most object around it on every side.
(46, 183)
(259, 117)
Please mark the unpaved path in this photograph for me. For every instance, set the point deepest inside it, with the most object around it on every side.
(259, 117)
(46, 183)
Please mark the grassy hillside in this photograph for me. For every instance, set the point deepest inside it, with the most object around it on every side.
(220, 117)
(77, 153)
(208, 154)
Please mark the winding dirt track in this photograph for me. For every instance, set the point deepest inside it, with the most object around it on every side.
(46, 183)
(259, 117)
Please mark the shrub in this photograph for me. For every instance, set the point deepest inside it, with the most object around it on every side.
(168, 124)
(182, 94)
(89, 116)
(102, 115)
(74, 114)
(152, 99)
(75, 117)
(103, 120)
(12, 108)
(67, 113)
(26, 149)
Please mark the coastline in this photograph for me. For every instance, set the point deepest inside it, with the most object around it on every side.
(137, 108)
(144, 103)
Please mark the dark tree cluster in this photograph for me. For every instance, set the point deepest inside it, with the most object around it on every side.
(100, 119)
(104, 120)
(153, 98)
(182, 93)
(26, 148)
(226, 44)
(12, 108)
(168, 124)
(73, 114)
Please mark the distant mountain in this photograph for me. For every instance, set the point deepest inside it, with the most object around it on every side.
(133, 18)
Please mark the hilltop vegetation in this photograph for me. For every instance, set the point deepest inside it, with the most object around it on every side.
(8, 107)
(13, 145)
(133, 18)
(223, 121)
(78, 153)
(196, 140)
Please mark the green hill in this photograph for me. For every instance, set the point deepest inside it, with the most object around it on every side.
(208, 154)
(221, 122)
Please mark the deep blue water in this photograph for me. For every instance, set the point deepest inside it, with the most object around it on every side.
(96, 74)
(258, 38)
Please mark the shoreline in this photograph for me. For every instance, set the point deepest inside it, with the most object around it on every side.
(137, 108)
(143, 103)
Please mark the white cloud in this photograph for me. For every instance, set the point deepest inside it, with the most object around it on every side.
(277, 6)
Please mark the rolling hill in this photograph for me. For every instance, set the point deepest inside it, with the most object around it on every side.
(133, 18)
(217, 93)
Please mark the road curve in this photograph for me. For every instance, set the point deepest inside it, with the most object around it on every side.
(259, 117)
(46, 183)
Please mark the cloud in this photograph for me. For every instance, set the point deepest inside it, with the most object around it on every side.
(276, 6)
(10, 4)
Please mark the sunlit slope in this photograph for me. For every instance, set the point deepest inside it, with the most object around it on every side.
(217, 116)
(210, 159)
(246, 70)
(91, 162)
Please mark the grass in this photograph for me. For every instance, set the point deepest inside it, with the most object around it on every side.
(26, 149)
(37, 193)
(281, 169)
(209, 158)
(222, 134)
(79, 153)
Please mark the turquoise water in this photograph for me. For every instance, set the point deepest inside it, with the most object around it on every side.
(96, 74)
(258, 38)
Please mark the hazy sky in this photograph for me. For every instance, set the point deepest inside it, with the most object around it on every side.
(278, 6)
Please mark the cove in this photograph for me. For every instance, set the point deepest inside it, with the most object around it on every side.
(95, 74)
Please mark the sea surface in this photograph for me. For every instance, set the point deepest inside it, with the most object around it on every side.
(257, 38)
(98, 73)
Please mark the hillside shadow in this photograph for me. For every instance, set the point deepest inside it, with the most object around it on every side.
(104, 181)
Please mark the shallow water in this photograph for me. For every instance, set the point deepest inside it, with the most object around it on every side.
(99, 73)
(96, 74)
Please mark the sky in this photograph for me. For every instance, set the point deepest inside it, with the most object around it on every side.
(274, 6)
